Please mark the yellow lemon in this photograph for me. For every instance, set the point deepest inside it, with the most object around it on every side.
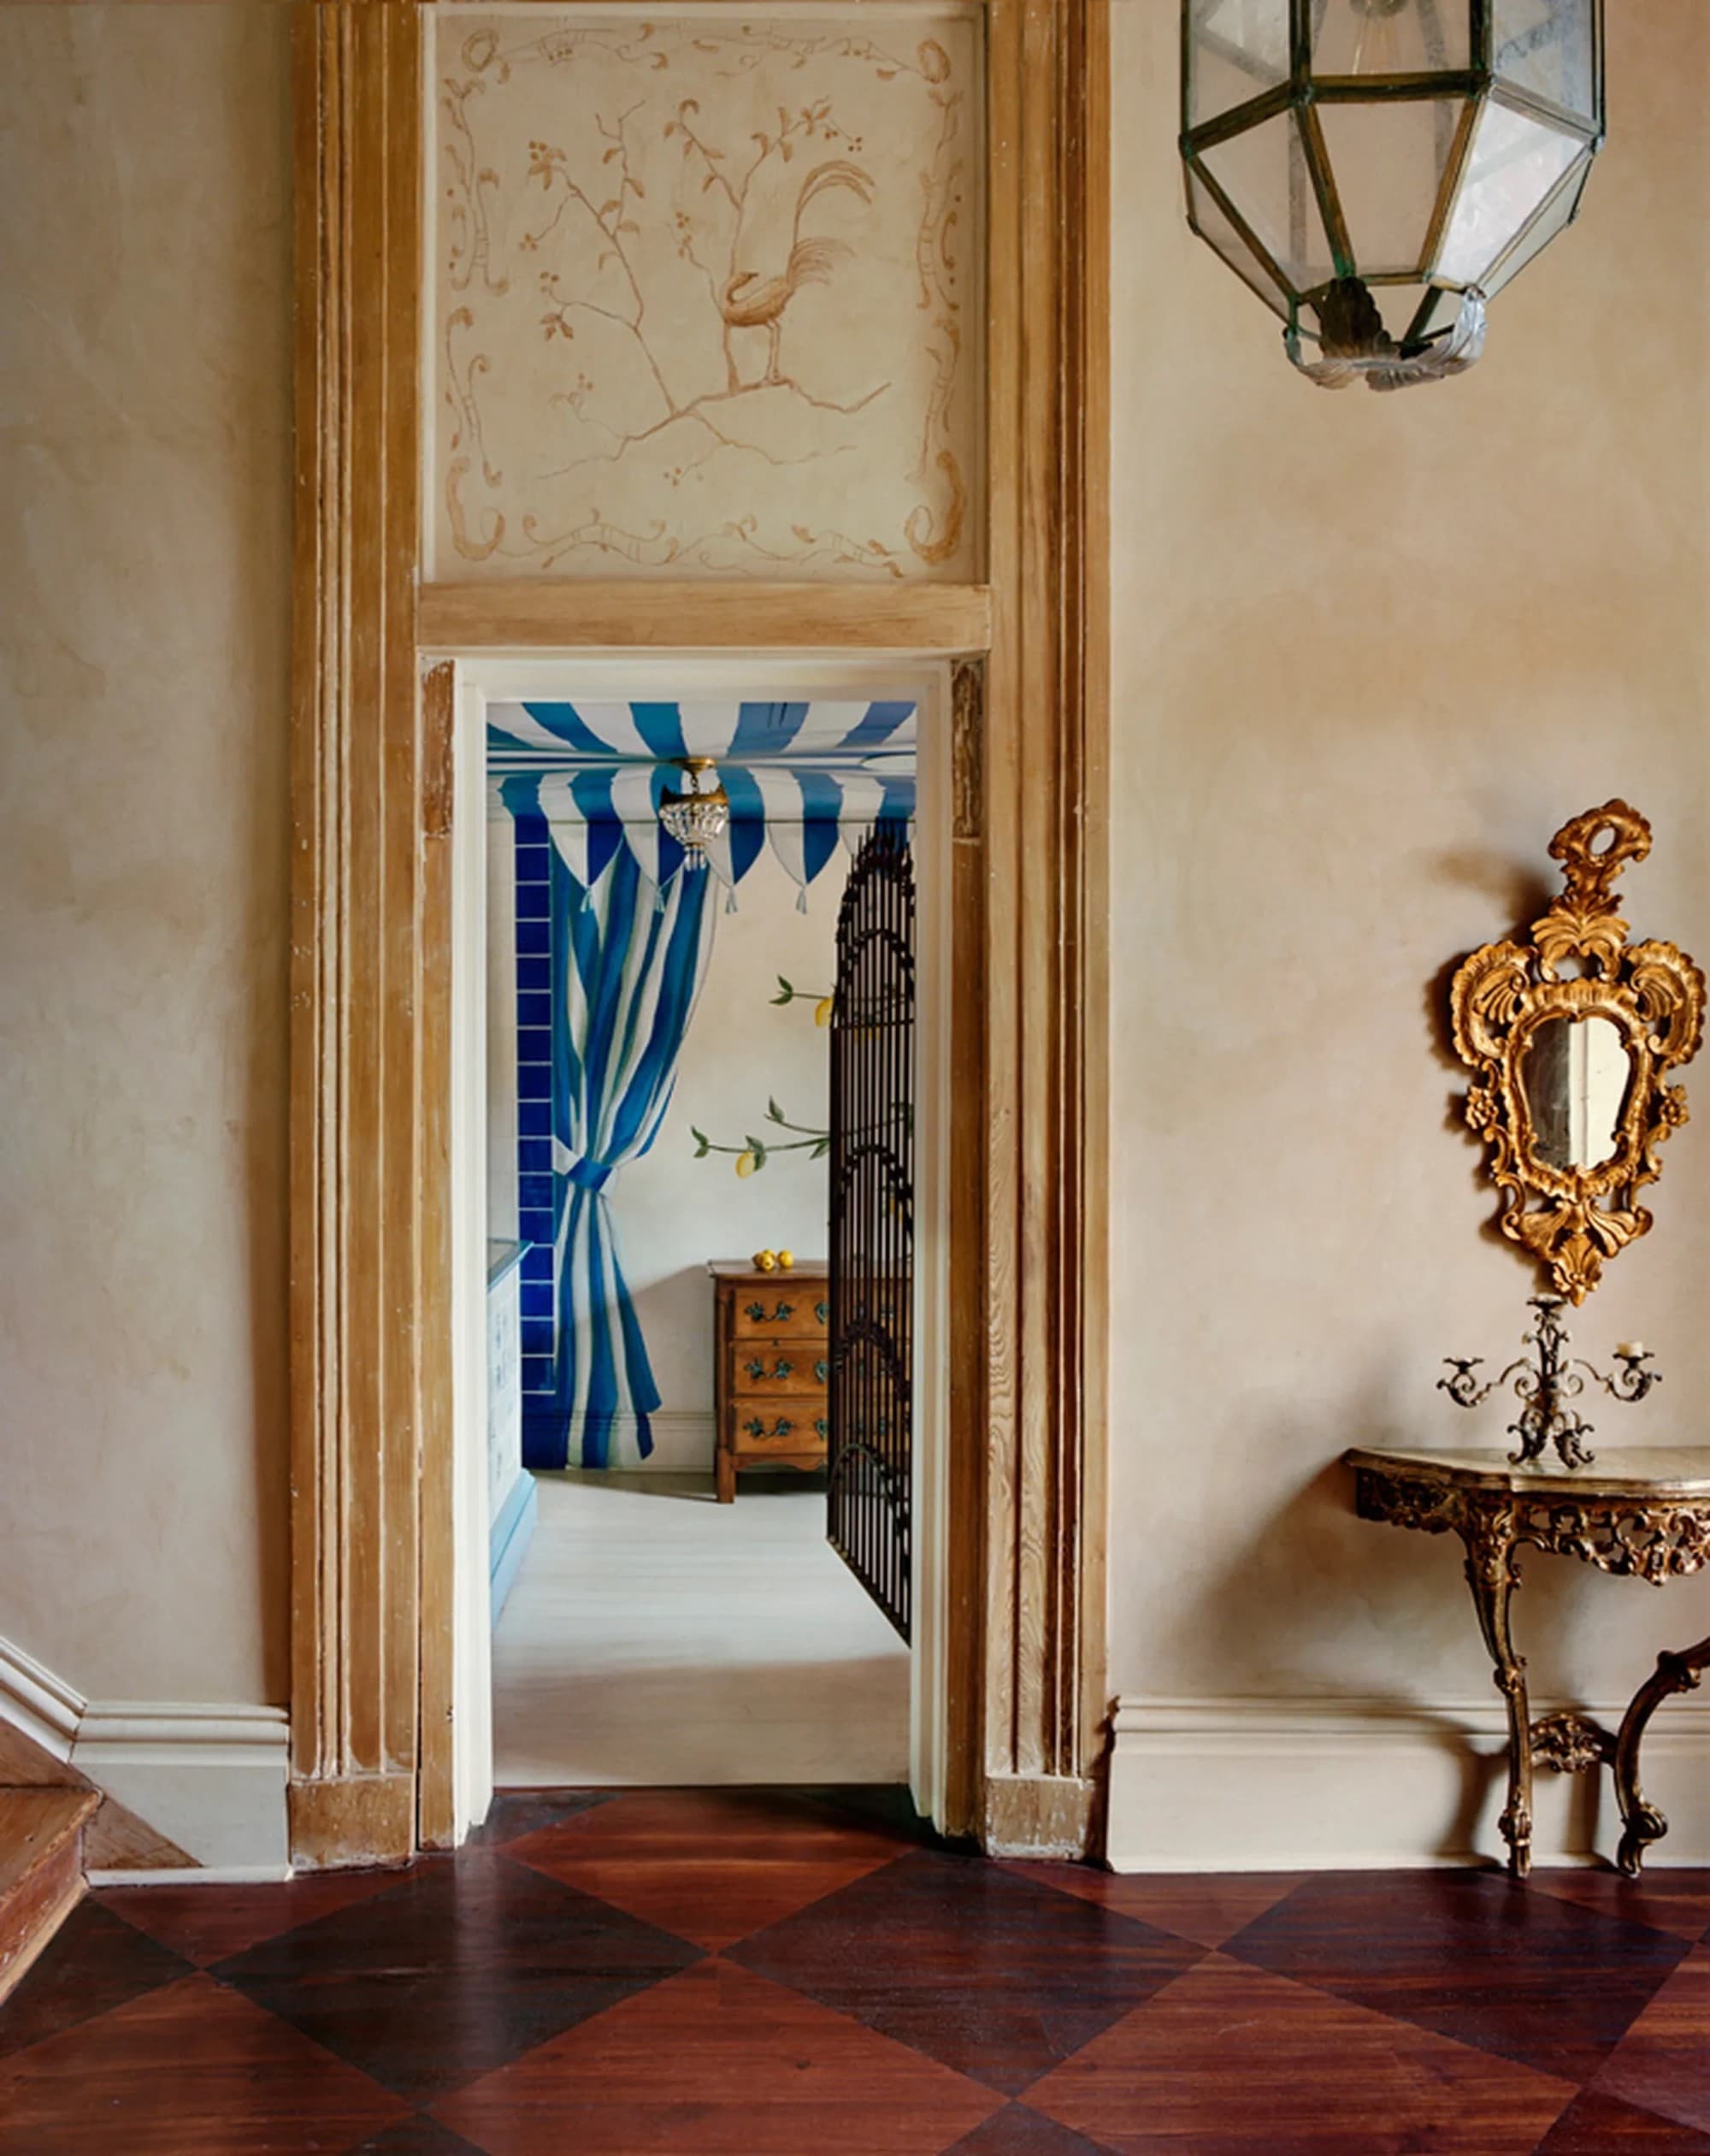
(787, 1259)
(822, 1010)
(746, 1164)
(764, 1261)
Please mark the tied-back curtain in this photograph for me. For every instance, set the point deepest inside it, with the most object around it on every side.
(631, 960)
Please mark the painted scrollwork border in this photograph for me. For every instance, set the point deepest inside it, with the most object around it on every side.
(1572, 1220)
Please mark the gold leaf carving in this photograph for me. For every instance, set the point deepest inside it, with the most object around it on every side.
(1573, 1219)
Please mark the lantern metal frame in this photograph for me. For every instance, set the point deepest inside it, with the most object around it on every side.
(1302, 93)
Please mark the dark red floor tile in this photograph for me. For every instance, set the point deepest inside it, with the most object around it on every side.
(717, 2062)
(712, 1866)
(206, 1924)
(1597, 2125)
(1233, 2061)
(517, 1812)
(1471, 1955)
(1019, 2130)
(972, 1963)
(192, 2070)
(419, 2135)
(1663, 2062)
(1672, 1901)
(456, 1970)
(94, 1961)
(1207, 1907)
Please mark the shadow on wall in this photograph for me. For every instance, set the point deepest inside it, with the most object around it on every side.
(261, 511)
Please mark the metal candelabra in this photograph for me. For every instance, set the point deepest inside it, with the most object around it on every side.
(1545, 1387)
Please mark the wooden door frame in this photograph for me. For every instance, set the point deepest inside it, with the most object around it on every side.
(370, 1081)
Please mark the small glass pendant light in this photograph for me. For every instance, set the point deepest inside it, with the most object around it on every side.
(1378, 170)
(696, 818)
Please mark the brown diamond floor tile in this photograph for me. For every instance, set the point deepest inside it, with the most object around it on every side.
(717, 2062)
(458, 1969)
(978, 1966)
(1019, 2130)
(418, 2136)
(517, 1812)
(1663, 2062)
(1232, 2061)
(1672, 1901)
(94, 1963)
(711, 1865)
(207, 1923)
(1472, 1956)
(1599, 2126)
(1207, 1907)
(192, 2070)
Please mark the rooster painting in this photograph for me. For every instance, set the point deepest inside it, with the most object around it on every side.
(749, 301)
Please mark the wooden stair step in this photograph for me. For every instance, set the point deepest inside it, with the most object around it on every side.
(41, 1869)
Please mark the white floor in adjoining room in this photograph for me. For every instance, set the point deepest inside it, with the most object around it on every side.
(657, 1637)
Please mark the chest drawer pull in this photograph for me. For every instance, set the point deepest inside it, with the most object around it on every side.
(781, 1428)
(821, 1370)
(823, 1312)
(784, 1368)
(784, 1311)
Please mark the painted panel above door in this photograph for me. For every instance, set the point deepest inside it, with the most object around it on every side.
(705, 293)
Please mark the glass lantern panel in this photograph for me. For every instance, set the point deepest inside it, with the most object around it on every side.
(1390, 37)
(1264, 172)
(1557, 214)
(1516, 161)
(1238, 49)
(1549, 48)
(1213, 226)
(1387, 162)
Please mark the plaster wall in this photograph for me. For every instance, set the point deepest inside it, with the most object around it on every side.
(144, 385)
(1370, 652)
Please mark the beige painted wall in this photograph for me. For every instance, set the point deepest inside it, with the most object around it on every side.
(1370, 653)
(145, 456)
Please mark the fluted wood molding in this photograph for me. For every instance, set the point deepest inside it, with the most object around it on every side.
(1040, 1704)
(355, 1092)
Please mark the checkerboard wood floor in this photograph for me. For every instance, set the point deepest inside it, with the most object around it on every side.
(747, 1972)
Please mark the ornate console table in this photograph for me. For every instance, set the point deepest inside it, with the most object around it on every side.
(1641, 1513)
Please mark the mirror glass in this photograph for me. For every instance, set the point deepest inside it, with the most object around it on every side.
(1576, 1075)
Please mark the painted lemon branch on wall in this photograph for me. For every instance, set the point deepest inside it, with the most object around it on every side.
(738, 249)
(752, 1154)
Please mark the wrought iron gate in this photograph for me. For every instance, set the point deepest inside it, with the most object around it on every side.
(869, 1444)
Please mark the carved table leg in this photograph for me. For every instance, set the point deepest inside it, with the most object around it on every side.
(1641, 1824)
(1493, 1575)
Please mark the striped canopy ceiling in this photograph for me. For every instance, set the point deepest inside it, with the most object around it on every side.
(802, 778)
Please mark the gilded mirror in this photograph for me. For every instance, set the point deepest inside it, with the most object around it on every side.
(1571, 1039)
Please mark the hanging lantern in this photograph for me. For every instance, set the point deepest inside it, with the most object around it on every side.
(695, 820)
(1378, 170)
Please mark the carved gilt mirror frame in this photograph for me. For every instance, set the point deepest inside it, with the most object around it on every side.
(1578, 966)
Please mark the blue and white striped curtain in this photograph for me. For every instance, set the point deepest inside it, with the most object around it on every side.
(631, 958)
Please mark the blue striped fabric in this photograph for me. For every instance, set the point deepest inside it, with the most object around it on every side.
(630, 959)
(801, 777)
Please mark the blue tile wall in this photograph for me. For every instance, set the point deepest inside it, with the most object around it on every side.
(537, 1202)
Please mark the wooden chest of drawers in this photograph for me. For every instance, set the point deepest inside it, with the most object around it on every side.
(771, 1334)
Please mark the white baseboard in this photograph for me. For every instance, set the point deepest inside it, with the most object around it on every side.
(34, 1700)
(1317, 1784)
(199, 1876)
(683, 1443)
(209, 1778)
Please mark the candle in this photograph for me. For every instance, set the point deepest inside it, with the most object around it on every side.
(1631, 1351)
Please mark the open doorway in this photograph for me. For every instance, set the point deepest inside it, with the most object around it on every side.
(659, 1329)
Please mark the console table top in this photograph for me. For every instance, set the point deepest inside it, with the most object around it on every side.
(1639, 1471)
